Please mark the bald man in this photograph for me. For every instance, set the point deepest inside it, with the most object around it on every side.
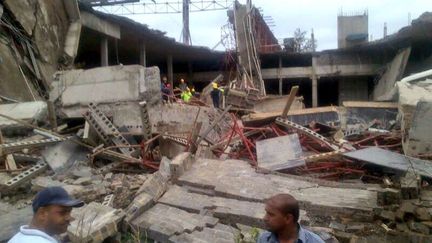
(281, 219)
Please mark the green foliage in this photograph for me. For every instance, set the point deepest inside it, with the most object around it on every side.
(302, 43)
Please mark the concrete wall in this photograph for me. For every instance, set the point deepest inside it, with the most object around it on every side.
(349, 25)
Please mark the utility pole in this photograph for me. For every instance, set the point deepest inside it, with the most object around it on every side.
(186, 32)
(385, 30)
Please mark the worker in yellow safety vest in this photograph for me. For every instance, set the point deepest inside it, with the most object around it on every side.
(186, 95)
(216, 94)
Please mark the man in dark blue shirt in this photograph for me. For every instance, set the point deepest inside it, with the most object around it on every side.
(282, 215)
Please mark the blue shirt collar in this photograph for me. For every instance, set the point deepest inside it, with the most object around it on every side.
(301, 236)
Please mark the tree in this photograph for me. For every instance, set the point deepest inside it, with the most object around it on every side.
(303, 44)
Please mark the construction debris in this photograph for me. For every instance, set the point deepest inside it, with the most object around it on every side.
(168, 170)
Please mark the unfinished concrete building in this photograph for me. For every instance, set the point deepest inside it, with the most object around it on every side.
(352, 29)
(364, 72)
(82, 107)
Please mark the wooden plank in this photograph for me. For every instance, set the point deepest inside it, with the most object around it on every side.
(367, 104)
(10, 162)
(290, 100)
(265, 115)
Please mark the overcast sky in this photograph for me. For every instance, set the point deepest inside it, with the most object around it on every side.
(320, 15)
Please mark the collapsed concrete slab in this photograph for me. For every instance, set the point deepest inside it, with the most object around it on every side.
(94, 223)
(62, 156)
(237, 180)
(280, 153)
(228, 211)
(277, 104)
(161, 222)
(173, 119)
(107, 85)
(392, 160)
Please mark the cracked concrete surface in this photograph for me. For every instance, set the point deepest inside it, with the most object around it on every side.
(237, 180)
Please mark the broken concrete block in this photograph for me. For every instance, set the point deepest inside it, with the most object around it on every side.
(161, 222)
(180, 164)
(107, 85)
(94, 223)
(62, 156)
(164, 167)
(270, 154)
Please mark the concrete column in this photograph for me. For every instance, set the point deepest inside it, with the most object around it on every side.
(170, 71)
(104, 51)
(143, 54)
(314, 84)
(280, 75)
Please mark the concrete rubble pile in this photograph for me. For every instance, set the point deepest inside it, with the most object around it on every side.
(166, 170)
(182, 172)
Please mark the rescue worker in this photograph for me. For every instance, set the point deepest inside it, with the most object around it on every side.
(186, 95)
(165, 90)
(216, 94)
(182, 86)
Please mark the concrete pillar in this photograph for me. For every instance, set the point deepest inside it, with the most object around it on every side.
(104, 51)
(143, 54)
(280, 75)
(314, 91)
(170, 71)
(314, 84)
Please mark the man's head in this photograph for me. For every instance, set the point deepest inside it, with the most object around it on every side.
(52, 208)
(282, 211)
(164, 79)
(181, 80)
